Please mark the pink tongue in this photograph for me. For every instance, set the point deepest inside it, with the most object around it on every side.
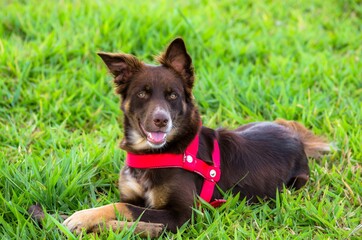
(156, 137)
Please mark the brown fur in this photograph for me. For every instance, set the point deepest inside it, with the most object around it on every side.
(160, 116)
(314, 146)
(122, 67)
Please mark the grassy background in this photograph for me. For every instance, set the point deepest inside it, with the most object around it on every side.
(60, 122)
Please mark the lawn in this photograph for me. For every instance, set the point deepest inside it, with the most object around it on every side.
(60, 122)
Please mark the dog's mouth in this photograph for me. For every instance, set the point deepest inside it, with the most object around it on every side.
(156, 139)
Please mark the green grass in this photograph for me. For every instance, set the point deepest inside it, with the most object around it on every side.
(60, 122)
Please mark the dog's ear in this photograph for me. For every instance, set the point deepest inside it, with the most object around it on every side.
(177, 58)
(122, 66)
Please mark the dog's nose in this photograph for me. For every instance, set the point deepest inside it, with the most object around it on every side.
(160, 120)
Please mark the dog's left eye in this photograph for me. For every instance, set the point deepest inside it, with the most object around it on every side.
(172, 96)
(141, 94)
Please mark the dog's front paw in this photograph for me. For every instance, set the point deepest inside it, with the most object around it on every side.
(83, 220)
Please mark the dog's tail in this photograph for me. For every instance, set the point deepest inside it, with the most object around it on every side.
(314, 146)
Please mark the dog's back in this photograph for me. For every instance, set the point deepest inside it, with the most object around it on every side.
(259, 158)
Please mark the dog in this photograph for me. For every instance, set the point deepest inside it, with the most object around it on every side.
(160, 117)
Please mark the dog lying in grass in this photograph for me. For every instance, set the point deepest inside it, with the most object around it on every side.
(171, 157)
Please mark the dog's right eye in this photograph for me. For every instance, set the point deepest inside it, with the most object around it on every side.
(142, 94)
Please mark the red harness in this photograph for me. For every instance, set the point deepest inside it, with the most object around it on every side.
(188, 161)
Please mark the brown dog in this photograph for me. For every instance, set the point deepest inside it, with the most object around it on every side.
(160, 117)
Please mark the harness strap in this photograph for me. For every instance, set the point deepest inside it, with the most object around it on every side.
(187, 161)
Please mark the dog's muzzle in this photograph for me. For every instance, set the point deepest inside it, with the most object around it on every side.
(158, 127)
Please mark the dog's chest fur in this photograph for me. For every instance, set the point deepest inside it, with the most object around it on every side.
(137, 186)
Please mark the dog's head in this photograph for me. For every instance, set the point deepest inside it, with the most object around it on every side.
(156, 100)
